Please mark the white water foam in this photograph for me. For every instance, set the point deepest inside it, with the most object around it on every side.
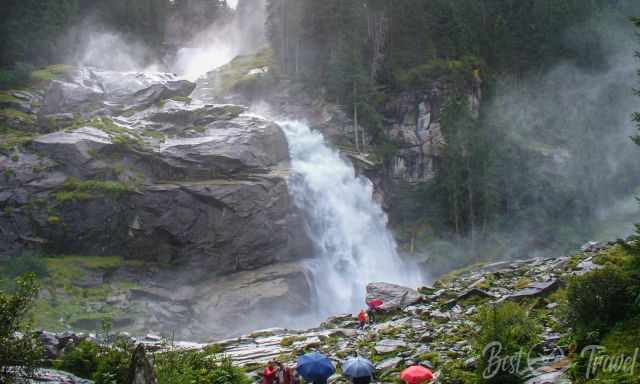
(349, 229)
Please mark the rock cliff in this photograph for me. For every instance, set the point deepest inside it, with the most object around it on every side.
(103, 163)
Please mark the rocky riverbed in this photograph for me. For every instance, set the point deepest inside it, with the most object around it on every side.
(431, 326)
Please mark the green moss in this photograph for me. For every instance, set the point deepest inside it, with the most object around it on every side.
(522, 283)
(153, 134)
(236, 73)
(7, 98)
(10, 113)
(52, 72)
(53, 220)
(11, 139)
(76, 190)
(15, 158)
(8, 211)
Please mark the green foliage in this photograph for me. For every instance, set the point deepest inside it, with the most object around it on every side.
(24, 352)
(597, 301)
(197, 367)
(113, 363)
(81, 360)
(103, 364)
(509, 327)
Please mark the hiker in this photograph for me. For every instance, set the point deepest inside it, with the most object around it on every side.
(269, 374)
(371, 314)
(362, 319)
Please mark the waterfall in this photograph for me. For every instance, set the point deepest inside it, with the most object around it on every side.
(352, 243)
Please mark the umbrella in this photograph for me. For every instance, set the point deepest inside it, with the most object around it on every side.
(375, 303)
(416, 374)
(358, 367)
(315, 367)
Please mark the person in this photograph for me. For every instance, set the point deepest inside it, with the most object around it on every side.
(371, 314)
(362, 319)
(279, 373)
(269, 374)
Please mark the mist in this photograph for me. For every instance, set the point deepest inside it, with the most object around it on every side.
(572, 125)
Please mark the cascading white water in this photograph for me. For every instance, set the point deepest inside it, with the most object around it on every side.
(353, 245)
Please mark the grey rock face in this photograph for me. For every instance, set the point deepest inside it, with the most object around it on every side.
(193, 187)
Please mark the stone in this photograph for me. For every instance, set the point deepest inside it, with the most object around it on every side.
(389, 363)
(536, 290)
(389, 345)
(140, 370)
(51, 344)
(426, 337)
(393, 296)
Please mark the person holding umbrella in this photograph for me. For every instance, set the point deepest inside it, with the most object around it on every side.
(416, 374)
(315, 367)
(373, 305)
(359, 370)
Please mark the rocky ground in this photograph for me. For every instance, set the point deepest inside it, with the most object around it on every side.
(430, 326)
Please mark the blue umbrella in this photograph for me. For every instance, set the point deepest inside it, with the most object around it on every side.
(315, 367)
(358, 368)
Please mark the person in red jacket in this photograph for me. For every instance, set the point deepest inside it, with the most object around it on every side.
(362, 319)
(269, 374)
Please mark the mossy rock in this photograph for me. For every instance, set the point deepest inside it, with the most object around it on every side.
(52, 72)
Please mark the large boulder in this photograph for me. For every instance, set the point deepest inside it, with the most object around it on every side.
(393, 296)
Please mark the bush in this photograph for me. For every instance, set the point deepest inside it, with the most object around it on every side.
(81, 360)
(506, 331)
(113, 363)
(24, 352)
(597, 301)
(197, 367)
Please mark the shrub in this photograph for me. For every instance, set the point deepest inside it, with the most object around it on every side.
(197, 367)
(24, 352)
(506, 331)
(81, 360)
(598, 300)
(113, 363)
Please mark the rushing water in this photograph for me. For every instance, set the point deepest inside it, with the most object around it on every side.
(353, 245)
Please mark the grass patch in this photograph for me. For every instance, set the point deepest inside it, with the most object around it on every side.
(237, 71)
(77, 190)
(52, 72)
(10, 113)
(7, 98)
(11, 139)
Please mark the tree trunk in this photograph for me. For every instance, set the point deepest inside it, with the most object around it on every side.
(355, 115)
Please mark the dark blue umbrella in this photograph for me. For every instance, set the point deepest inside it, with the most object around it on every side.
(315, 367)
(358, 368)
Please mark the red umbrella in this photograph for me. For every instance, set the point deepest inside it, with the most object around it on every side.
(416, 374)
(375, 303)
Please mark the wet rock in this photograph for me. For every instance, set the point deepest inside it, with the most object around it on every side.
(52, 376)
(393, 296)
(536, 290)
(389, 363)
(389, 345)
(140, 370)
(592, 246)
(51, 344)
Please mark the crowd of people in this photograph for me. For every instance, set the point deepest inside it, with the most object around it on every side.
(317, 368)
(277, 373)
